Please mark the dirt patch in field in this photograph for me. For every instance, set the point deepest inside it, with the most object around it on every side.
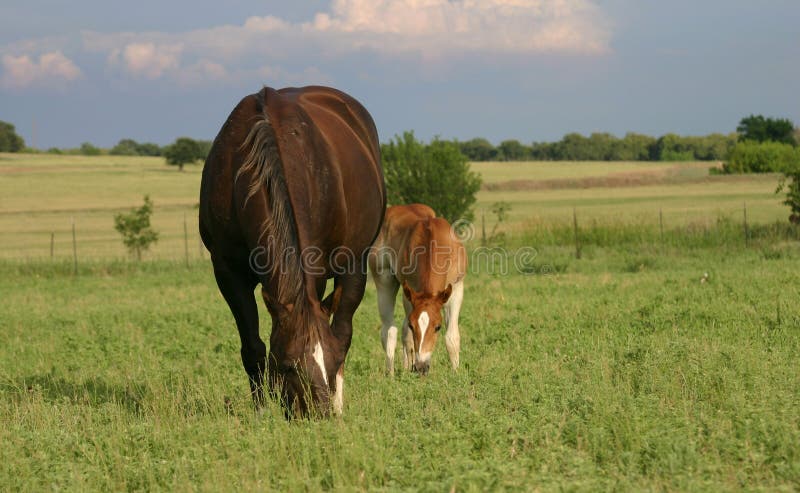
(660, 176)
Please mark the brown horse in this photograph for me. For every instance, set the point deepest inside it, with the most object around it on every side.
(422, 253)
(293, 195)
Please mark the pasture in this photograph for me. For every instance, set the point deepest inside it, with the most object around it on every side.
(628, 369)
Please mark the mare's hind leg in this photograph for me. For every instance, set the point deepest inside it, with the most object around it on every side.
(352, 284)
(237, 287)
(451, 311)
(387, 287)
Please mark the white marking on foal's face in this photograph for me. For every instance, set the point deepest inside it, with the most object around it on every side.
(319, 357)
(423, 322)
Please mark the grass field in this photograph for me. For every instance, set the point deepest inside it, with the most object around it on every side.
(41, 195)
(648, 364)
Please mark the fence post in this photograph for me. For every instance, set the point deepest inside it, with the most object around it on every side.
(52, 241)
(74, 249)
(577, 242)
(746, 230)
(185, 240)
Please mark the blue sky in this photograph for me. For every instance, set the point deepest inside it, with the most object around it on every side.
(532, 70)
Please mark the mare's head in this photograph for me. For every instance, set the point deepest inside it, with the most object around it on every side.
(425, 321)
(304, 360)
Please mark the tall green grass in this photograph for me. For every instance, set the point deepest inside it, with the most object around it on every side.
(627, 369)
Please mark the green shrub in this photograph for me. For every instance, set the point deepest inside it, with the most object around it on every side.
(135, 228)
(762, 157)
(436, 174)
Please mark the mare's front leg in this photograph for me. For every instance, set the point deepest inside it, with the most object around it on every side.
(236, 286)
(451, 311)
(352, 285)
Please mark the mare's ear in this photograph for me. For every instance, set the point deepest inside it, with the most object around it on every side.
(331, 302)
(445, 295)
(408, 291)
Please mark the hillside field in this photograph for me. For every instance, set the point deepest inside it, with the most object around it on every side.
(654, 362)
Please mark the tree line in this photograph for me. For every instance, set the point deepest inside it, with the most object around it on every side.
(603, 146)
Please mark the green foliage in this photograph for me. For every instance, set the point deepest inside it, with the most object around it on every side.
(184, 151)
(9, 140)
(500, 211)
(793, 197)
(135, 228)
(513, 150)
(478, 149)
(87, 149)
(436, 174)
(129, 147)
(762, 157)
(761, 129)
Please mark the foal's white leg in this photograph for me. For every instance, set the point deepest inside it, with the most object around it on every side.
(408, 338)
(452, 308)
(387, 287)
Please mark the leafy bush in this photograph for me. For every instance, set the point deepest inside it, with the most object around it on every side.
(436, 174)
(184, 151)
(761, 157)
(87, 149)
(9, 140)
(135, 228)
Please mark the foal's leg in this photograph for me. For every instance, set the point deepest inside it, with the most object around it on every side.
(387, 287)
(408, 337)
(453, 307)
(353, 285)
(237, 287)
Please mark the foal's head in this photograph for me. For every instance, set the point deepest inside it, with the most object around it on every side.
(425, 321)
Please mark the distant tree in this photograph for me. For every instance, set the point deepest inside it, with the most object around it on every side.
(436, 174)
(478, 149)
(87, 149)
(9, 140)
(148, 149)
(125, 147)
(203, 148)
(760, 129)
(55, 150)
(634, 147)
(543, 151)
(513, 150)
(135, 228)
(183, 151)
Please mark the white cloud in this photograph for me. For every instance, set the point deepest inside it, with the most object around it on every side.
(147, 60)
(51, 69)
(423, 29)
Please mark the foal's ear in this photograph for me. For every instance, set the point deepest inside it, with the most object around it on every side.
(445, 295)
(408, 291)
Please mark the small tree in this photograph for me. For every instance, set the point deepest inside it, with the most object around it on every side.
(183, 151)
(87, 149)
(760, 129)
(436, 174)
(135, 228)
(793, 197)
(9, 140)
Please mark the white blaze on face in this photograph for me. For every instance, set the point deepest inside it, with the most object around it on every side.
(422, 323)
(320, 359)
